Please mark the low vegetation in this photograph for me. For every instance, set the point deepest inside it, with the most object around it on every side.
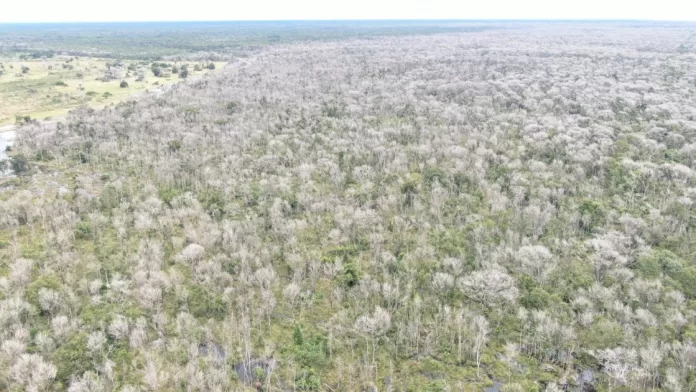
(50, 87)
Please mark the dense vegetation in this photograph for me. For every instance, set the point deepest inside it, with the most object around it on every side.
(422, 213)
(211, 40)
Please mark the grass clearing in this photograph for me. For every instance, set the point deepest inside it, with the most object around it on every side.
(45, 88)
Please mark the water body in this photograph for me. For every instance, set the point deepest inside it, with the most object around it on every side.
(7, 135)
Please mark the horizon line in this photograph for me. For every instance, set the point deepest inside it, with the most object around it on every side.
(604, 20)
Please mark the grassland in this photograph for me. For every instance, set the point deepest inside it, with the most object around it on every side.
(49, 87)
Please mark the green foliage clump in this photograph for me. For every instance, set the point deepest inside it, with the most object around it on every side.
(594, 210)
(43, 155)
(603, 334)
(205, 305)
(43, 282)
(84, 231)
(213, 201)
(174, 145)
(307, 380)
(434, 173)
(658, 262)
(168, 194)
(409, 189)
(19, 164)
(687, 280)
(537, 298)
(351, 274)
(312, 354)
(72, 358)
(232, 107)
(110, 198)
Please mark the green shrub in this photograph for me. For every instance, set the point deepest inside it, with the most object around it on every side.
(648, 267)
(259, 373)
(202, 304)
(110, 198)
(602, 334)
(83, 231)
(307, 380)
(351, 274)
(213, 201)
(659, 261)
(537, 298)
(409, 190)
(595, 211)
(298, 335)
(687, 279)
(72, 358)
(19, 164)
(434, 173)
(43, 282)
(169, 194)
(174, 145)
(436, 386)
(232, 107)
(43, 155)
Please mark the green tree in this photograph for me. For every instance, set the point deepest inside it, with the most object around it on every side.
(19, 165)
(72, 358)
(298, 335)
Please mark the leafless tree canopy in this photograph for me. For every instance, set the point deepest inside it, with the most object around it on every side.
(427, 213)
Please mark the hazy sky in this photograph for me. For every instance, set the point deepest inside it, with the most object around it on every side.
(159, 10)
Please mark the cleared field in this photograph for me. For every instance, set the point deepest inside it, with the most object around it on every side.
(45, 88)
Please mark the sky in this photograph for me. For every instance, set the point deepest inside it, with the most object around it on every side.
(178, 10)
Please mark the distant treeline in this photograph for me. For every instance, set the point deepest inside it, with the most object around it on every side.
(154, 41)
